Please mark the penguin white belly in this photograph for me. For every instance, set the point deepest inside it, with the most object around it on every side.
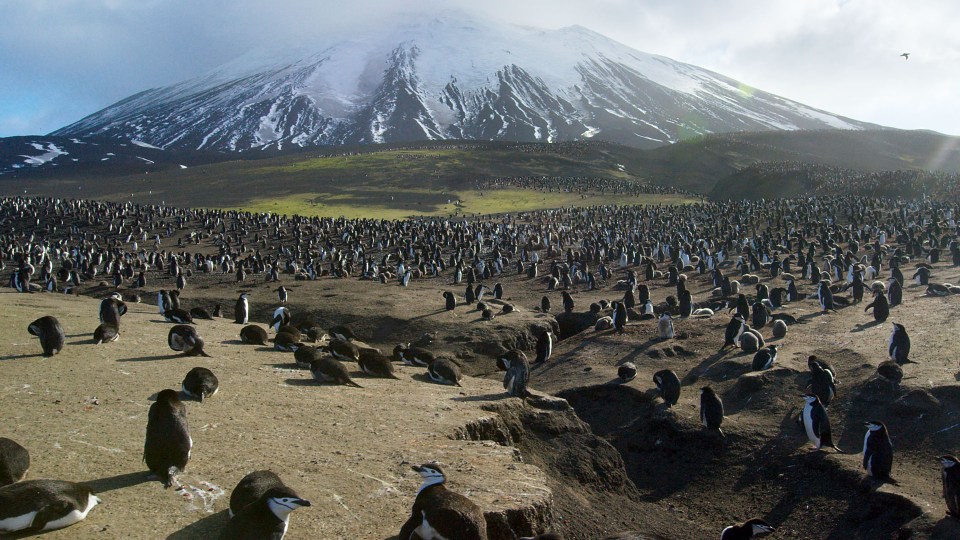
(427, 532)
(808, 426)
(74, 516)
(17, 523)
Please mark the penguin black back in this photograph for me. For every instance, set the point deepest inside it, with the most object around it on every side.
(167, 447)
(14, 461)
(669, 386)
(48, 329)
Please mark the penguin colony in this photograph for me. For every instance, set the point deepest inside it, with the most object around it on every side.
(828, 259)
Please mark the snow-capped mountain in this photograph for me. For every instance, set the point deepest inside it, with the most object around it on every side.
(448, 76)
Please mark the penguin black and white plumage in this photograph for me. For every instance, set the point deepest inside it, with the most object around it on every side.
(899, 347)
(241, 311)
(498, 291)
(327, 369)
(753, 528)
(105, 333)
(439, 513)
(732, 332)
(567, 302)
(282, 294)
(343, 350)
(167, 447)
(517, 373)
(375, 364)
(544, 346)
(894, 293)
(792, 293)
(14, 461)
(44, 505)
(181, 281)
(668, 384)
(765, 358)
(200, 313)
(922, 276)
(877, 451)
(253, 335)
(760, 316)
(342, 332)
(184, 338)
(111, 309)
(305, 355)
(665, 327)
(711, 409)
(880, 305)
(50, 333)
(825, 296)
(200, 383)
(450, 300)
(545, 304)
(281, 316)
(178, 316)
(823, 383)
(164, 303)
(445, 371)
(627, 371)
(260, 508)
(286, 342)
(413, 356)
(950, 474)
(619, 316)
(816, 423)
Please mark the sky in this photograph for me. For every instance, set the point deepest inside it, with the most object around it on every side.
(61, 60)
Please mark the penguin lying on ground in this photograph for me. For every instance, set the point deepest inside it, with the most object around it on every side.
(260, 507)
(747, 530)
(200, 383)
(44, 505)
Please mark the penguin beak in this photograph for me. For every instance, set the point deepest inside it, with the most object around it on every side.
(302, 502)
(416, 468)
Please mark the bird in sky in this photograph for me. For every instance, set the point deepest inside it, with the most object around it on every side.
(906, 56)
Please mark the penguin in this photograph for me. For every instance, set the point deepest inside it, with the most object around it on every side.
(517, 375)
(544, 346)
(450, 299)
(200, 313)
(167, 447)
(752, 528)
(793, 294)
(765, 358)
(181, 282)
(498, 291)
(760, 316)
(567, 302)
(253, 335)
(327, 369)
(105, 333)
(665, 327)
(14, 462)
(286, 342)
(822, 365)
(487, 314)
(281, 316)
(44, 505)
(445, 371)
(200, 383)
(343, 350)
(627, 371)
(260, 508)
(508, 308)
(178, 316)
(164, 303)
(545, 304)
(779, 329)
(111, 308)
(619, 316)
(732, 332)
(375, 364)
(750, 340)
(951, 484)
(668, 384)
(822, 382)
(439, 513)
(218, 310)
(184, 338)
(48, 329)
(241, 311)
(413, 356)
(282, 294)
(816, 423)
(711, 409)
(880, 305)
(899, 347)
(470, 297)
(877, 451)
(891, 372)
(894, 293)
(825, 295)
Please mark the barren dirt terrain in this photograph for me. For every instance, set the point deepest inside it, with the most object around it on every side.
(634, 465)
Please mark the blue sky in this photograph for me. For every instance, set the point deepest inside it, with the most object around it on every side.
(61, 60)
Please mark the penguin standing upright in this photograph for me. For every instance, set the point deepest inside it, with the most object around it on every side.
(241, 311)
(881, 308)
(450, 300)
(665, 326)
(281, 316)
(14, 462)
(877, 451)
(282, 294)
(825, 295)
(899, 347)
(711, 409)
(619, 316)
(167, 447)
(439, 513)
(44, 505)
(894, 293)
(823, 383)
(816, 423)
(50, 333)
(732, 332)
(567, 302)
(544, 346)
(951, 484)
(260, 508)
(747, 530)
(164, 303)
(517, 373)
(764, 358)
(668, 384)
(545, 304)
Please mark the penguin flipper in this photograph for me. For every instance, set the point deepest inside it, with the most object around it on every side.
(49, 512)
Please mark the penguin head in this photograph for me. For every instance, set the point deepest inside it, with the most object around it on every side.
(874, 425)
(431, 471)
(168, 396)
(759, 527)
(810, 398)
(282, 500)
(897, 327)
(948, 461)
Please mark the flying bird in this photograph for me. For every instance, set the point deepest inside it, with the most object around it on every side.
(906, 56)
